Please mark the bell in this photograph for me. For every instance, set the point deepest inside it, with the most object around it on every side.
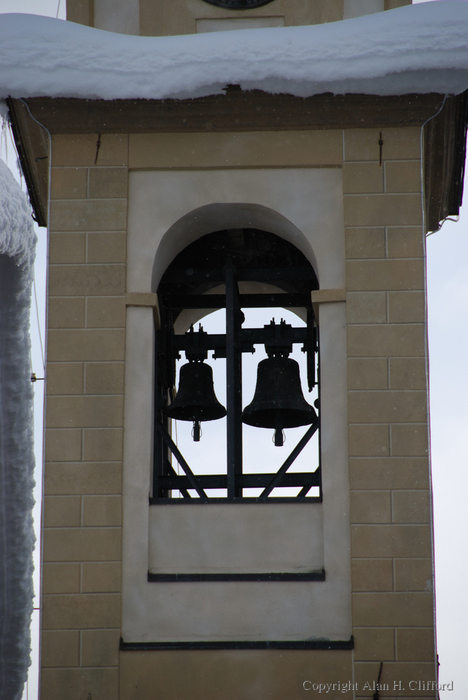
(278, 401)
(196, 400)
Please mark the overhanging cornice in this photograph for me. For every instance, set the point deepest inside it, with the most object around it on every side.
(238, 110)
(235, 110)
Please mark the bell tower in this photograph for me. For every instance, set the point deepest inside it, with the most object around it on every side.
(284, 545)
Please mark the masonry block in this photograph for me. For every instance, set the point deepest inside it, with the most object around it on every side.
(107, 183)
(398, 144)
(102, 511)
(82, 544)
(413, 574)
(100, 647)
(362, 178)
(81, 611)
(372, 574)
(403, 176)
(406, 307)
(66, 312)
(86, 411)
(63, 445)
(105, 312)
(389, 473)
(77, 478)
(371, 507)
(408, 440)
(369, 440)
(365, 243)
(69, 183)
(366, 307)
(385, 275)
(67, 248)
(411, 507)
(65, 378)
(102, 577)
(60, 577)
(80, 683)
(415, 644)
(391, 541)
(392, 609)
(368, 373)
(407, 373)
(82, 149)
(380, 341)
(60, 648)
(374, 643)
(62, 511)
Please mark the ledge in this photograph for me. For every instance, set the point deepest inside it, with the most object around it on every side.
(145, 300)
(141, 299)
(194, 578)
(303, 644)
(326, 296)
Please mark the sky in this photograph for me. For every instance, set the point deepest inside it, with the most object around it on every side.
(447, 256)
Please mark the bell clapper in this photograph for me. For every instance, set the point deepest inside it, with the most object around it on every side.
(279, 437)
(196, 431)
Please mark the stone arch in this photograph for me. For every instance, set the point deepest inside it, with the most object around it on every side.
(215, 217)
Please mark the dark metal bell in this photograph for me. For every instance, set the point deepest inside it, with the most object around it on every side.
(196, 399)
(278, 401)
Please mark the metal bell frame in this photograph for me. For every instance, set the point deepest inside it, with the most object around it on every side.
(278, 339)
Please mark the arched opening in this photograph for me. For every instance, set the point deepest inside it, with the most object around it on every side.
(237, 281)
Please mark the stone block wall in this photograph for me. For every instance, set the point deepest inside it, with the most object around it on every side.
(391, 546)
(391, 539)
(85, 382)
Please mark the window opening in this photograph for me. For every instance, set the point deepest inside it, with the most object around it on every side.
(254, 276)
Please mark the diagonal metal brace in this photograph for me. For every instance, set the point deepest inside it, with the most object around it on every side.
(295, 453)
(172, 472)
(177, 454)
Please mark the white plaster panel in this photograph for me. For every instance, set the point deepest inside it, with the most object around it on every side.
(231, 610)
(167, 212)
(358, 8)
(233, 538)
(138, 407)
(334, 452)
(122, 16)
(303, 205)
(238, 611)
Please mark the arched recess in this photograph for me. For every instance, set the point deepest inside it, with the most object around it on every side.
(217, 217)
(167, 211)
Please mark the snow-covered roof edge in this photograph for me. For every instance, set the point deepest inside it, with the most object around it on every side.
(414, 49)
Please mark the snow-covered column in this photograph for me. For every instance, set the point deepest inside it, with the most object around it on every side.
(17, 246)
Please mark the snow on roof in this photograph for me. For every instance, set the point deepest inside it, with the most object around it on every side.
(414, 49)
(17, 236)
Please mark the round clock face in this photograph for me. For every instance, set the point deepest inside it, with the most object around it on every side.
(239, 4)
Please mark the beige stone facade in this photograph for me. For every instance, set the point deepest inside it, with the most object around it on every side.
(86, 339)
(391, 535)
(156, 18)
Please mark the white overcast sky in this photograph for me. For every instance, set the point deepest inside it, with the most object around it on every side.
(447, 262)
